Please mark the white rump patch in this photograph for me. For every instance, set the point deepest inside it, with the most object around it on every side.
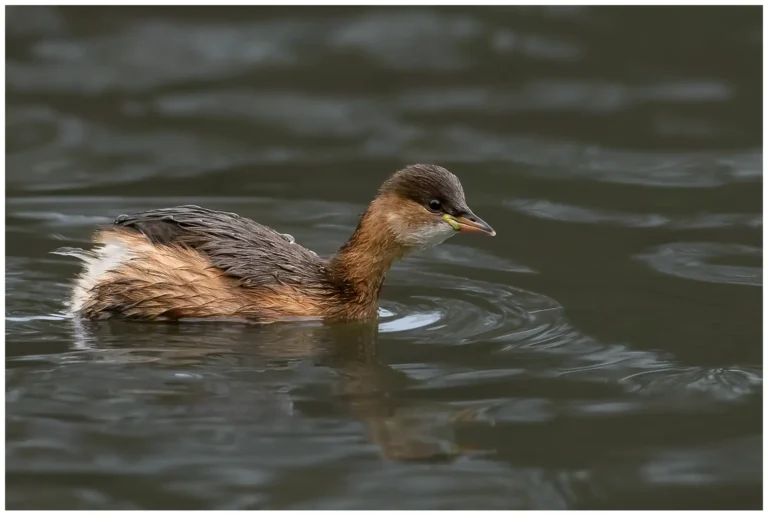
(98, 262)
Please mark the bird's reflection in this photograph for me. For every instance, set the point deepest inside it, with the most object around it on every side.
(368, 389)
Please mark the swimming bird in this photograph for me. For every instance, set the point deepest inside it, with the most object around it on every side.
(188, 262)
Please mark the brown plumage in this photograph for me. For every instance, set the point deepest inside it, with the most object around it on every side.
(191, 262)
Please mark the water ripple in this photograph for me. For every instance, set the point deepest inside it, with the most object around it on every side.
(689, 260)
(544, 209)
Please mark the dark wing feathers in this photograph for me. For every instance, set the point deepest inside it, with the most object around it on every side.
(240, 247)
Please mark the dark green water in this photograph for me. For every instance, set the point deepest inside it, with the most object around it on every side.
(603, 351)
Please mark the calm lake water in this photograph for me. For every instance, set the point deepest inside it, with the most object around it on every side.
(603, 351)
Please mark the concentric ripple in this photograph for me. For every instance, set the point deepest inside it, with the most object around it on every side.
(530, 327)
(467, 310)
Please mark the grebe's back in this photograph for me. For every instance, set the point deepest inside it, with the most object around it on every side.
(240, 247)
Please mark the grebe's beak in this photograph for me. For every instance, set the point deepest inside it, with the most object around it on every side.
(469, 223)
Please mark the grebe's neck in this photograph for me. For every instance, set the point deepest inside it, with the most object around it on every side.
(361, 264)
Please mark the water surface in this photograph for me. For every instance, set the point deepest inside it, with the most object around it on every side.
(603, 351)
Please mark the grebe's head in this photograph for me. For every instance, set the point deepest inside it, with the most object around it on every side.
(423, 205)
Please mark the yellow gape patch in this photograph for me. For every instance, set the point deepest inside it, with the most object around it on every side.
(450, 220)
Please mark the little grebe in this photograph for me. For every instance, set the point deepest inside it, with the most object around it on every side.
(190, 262)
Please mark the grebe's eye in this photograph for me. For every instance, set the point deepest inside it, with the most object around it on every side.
(435, 205)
